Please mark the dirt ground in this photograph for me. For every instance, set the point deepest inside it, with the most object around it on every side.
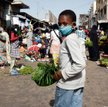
(21, 91)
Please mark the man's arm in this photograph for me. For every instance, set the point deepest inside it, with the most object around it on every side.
(77, 62)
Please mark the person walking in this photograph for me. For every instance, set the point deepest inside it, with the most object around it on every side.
(14, 51)
(81, 34)
(71, 76)
(94, 50)
(55, 43)
(30, 35)
(4, 48)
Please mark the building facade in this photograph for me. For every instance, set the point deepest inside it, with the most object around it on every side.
(83, 20)
(4, 11)
(92, 15)
(9, 10)
(18, 17)
(50, 17)
(102, 9)
(102, 13)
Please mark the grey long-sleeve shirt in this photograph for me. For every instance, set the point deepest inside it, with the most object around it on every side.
(72, 64)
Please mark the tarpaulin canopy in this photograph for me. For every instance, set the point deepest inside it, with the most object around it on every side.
(102, 21)
(33, 48)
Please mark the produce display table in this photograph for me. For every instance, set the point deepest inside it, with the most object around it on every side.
(103, 60)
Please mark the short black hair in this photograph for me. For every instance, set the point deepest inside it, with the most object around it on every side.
(69, 13)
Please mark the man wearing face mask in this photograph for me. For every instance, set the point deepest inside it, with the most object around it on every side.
(71, 76)
(81, 34)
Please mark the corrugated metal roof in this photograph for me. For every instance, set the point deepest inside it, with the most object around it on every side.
(20, 4)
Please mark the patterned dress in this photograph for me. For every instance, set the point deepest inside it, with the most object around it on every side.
(55, 47)
(15, 49)
(2, 49)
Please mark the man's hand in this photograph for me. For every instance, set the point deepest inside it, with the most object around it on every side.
(57, 75)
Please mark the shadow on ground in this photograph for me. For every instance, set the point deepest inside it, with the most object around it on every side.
(52, 102)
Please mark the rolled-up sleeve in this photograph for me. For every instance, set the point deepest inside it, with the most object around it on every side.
(76, 63)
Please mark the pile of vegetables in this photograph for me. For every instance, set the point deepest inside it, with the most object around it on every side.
(102, 41)
(24, 70)
(43, 74)
(103, 44)
(104, 62)
(88, 42)
(103, 38)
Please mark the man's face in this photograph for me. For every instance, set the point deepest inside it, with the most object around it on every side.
(65, 20)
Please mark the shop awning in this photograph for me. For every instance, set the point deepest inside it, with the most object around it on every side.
(20, 4)
(8, 1)
(102, 21)
(28, 16)
(24, 16)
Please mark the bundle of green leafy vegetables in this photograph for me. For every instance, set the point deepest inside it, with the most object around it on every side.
(26, 70)
(88, 42)
(103, 41)
(104, 61)
(103, 38)
(43, 74)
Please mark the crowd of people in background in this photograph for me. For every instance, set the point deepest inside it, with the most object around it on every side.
(65, 44)
(17, 43)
